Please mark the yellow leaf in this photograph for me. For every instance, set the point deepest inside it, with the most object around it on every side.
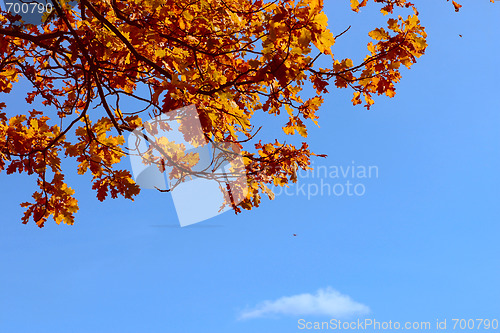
(160, 53)
(321, 19)
(412, 22)
(379, 34)
(371, 48)
(354, 5)
(325, 42)
(356, 99)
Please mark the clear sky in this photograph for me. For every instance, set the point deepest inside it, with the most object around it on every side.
(420, 244)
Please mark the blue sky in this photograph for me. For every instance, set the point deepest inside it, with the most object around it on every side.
(421, 244)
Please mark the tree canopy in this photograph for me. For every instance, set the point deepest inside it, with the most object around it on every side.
(232, 59)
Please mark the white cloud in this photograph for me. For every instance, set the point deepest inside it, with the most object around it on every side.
(326, 302)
